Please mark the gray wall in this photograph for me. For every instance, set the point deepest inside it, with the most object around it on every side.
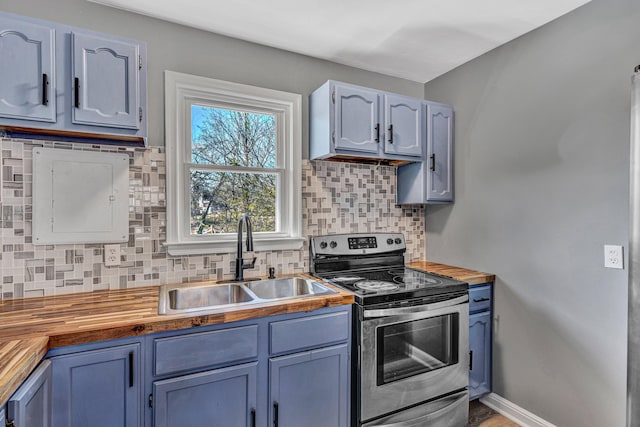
(178, 48)
(542, 160)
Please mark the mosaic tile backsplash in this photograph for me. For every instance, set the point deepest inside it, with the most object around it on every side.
(336, 198)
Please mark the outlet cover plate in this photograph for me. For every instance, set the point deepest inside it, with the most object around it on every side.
(111, 255)
(613, 256)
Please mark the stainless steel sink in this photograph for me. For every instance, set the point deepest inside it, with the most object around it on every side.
(207, 296)
(189, 297)
(287, 288)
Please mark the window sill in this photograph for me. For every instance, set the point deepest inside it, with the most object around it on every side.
(230, 246)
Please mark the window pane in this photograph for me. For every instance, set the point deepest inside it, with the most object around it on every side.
(232, 138)
(219, 198)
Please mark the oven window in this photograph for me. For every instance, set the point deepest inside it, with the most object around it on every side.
(412, 348)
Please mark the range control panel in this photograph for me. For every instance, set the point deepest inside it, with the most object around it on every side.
(362, 242)
(357, 244)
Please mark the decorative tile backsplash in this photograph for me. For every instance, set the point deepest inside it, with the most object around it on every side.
(336, 198)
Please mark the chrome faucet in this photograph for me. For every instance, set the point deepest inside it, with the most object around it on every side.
(240, 263)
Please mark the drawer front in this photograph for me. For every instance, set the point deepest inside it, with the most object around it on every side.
(308, 332)
(201, 350)
(480, 298)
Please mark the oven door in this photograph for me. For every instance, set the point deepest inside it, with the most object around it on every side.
(412, 354)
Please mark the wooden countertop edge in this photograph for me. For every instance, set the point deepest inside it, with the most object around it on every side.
(472, 277)
(17, 359)
(164, 323)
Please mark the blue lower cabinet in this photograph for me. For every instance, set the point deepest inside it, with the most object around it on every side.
(222, 397)
(30, 405)
(310, 389)
(289, 370)
(479, 354)
(98, 388)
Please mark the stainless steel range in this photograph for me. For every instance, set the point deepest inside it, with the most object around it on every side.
(411, 352)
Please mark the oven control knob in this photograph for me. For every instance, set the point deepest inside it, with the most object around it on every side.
(389, 241)
(323, 245)
(398, 240)
(333, 244)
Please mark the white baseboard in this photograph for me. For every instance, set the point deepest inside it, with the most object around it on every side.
(513, 411)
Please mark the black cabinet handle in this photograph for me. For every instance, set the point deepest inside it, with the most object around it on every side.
(45, 89)
(480, 299)
(377, 128)
(433, 162)
(253, 417)
(76, 94)
(131, 369)
(275, 414)
(471, 360)
(390, 134)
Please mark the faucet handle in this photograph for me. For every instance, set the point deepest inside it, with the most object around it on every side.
(246, 264)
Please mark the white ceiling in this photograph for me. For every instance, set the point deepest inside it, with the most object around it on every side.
(414, 39)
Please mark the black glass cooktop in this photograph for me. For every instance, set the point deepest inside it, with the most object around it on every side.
(377, 285)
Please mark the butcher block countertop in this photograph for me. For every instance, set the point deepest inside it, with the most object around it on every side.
(470, 276)
(31, 326)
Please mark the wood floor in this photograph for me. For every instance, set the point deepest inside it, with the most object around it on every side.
(483, 416)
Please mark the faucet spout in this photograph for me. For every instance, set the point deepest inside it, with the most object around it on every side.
(240, 263)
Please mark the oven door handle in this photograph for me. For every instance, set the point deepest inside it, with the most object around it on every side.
(385, 312)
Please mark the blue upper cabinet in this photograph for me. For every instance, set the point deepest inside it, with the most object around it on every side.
(404, 125)
(357, 119)
(30, 405)
(431, 180)
(64, 82)
(351, 122)
(106, 82)
(440, 153)
(28, 84)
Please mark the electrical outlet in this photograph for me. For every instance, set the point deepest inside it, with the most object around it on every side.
(111, 255)
(613, 256)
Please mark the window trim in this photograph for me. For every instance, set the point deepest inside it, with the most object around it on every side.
(181, 90)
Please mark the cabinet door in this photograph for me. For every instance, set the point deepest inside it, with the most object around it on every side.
(404, 124)
(310, 389)
(439, 153)
(100, 388)
(106, 88)
(479, 354)
(356, 124)
(27, 86)
(30, 405)
(222, 397)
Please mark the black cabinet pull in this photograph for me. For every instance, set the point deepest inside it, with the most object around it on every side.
(390, 134)
(253, 417)
(471, 360)
(131, 369)
(76, 95)
(275, 414)
(433, 162)
(377, 132)
(480, 299)
(45, 89)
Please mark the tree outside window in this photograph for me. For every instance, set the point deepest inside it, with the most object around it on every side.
(234, 169)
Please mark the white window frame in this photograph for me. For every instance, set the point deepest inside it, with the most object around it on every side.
(183, 90)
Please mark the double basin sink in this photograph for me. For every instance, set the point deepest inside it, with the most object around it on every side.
(208, 296)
